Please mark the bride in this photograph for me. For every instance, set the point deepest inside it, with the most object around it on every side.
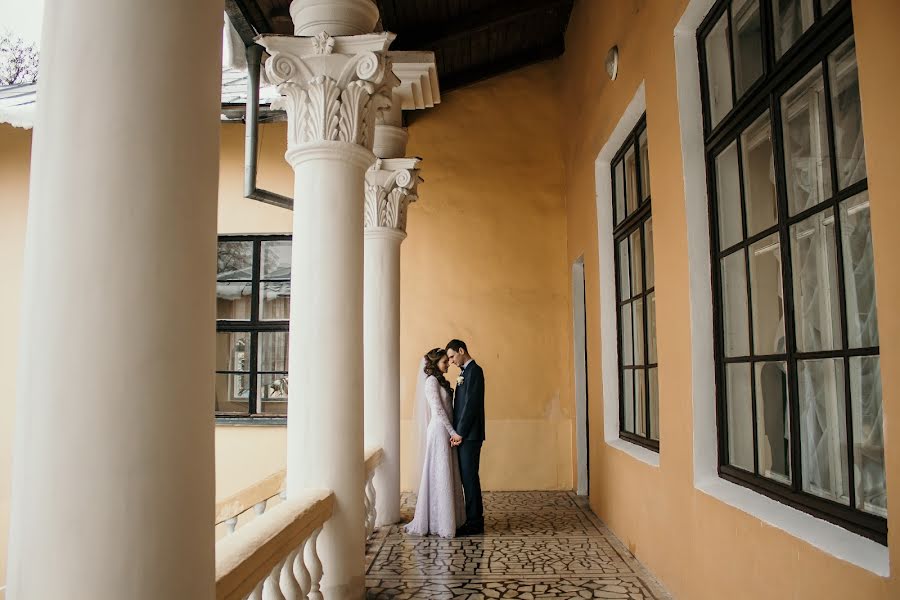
(440, 508)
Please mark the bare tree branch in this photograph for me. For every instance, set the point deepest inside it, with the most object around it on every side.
(18, 60)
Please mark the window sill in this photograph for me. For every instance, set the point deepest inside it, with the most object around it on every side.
(252, 421)
(828, 537)
(639, 452)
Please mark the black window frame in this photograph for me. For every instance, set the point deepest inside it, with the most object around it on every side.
(635, 221)
(827, 33)
(253, 326)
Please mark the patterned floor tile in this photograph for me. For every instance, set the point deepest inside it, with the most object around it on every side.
(535, 545)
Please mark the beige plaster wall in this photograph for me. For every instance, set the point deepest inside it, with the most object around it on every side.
(699, 547)
(15, 157)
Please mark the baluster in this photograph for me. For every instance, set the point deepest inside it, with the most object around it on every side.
(302, 573)
(272, 587)
(288, 580)
(315, 566)
(370, 507)
(260, 507)
(256, 594)
(231, 524)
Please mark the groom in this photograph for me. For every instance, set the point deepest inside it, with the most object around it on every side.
(468, 421)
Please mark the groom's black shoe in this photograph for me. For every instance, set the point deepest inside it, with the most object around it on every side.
(462, 531)
(467, 530)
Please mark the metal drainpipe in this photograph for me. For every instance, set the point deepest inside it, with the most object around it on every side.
(251, 135)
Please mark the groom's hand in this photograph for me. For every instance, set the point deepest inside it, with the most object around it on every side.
(455, 440)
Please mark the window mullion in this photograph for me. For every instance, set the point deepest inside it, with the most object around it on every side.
(787, 286)
(842, 289)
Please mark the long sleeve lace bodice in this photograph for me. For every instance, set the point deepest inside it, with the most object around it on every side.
(435, 395)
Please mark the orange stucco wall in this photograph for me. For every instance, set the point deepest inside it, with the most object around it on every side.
(699, 547)
(481, 262)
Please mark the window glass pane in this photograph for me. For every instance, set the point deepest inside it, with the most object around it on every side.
(627, 336)
(628, 399)
(640, 406)
(868, 435)
(728, 198)
(232, 392)
(631, 176)
(651, 327)
(637, 262)
(620, 191)
(638, 306)
(275, 300)
(792, 18)
(739, 411)
(759, 175)
(232, 351)
(273, 351)
(645, 165)
(718, 70)
(773, 421)
(859, 272)
(807, 161)
(823, 429)
(233, 300)
(817, 303)
(273, 394)
(235, 261)
(734, 305)
(648, 250)
(653, 393)
(624, 271)
(850, 148)
(276, 260)
(747, 34)
(767, 296)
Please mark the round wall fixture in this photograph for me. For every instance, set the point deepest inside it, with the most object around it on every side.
(612, 62)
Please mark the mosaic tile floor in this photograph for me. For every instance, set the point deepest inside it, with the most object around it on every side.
(535, 545)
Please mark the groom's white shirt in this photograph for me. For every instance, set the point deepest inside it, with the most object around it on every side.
(466, 364)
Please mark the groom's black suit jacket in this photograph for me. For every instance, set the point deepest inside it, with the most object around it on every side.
(468, 406)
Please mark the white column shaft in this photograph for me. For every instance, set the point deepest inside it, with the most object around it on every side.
(382, 351)
(114, 479)
(325, 414)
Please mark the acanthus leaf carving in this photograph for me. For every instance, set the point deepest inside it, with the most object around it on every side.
(388, 195)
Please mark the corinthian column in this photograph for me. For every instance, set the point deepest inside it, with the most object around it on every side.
(113, 483)
(332, 89)
(391, 185)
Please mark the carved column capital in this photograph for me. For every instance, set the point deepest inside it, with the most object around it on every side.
(332, 88)
(391, 185)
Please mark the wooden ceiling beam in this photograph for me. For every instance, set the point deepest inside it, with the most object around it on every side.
(247, 19)
(546, 51)
(500, 13)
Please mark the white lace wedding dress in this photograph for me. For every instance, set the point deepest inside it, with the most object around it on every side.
(440, 508)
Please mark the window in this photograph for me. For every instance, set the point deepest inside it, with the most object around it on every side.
(797, 360)
(635, 291)
(253, 297)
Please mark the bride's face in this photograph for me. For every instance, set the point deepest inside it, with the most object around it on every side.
(444, 364)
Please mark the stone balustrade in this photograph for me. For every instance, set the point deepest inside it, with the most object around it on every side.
(256, 496)
(374, 458)
(275, 556)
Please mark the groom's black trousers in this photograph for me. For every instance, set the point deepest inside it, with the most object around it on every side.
(469, 463)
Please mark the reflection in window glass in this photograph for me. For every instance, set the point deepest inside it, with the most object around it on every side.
(624, 270)
(747, 34)
(728, 197)
(638, 310)
(734, 305)
(817, 302)
(654, 404)
(627, 336)
(773, 421)
(740, 415)
(868, 435)
(620, 191)
(645, 165)
(766, 294)
(233, 300)
(631, 176)
(759, 176)
(628, 400)
(792, 18)
(640, 416)
(718, 71)
(859, 272)
(807, 161)
(823, 429)
(850, 148)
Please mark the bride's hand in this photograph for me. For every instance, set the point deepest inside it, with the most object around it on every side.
(455, 440)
